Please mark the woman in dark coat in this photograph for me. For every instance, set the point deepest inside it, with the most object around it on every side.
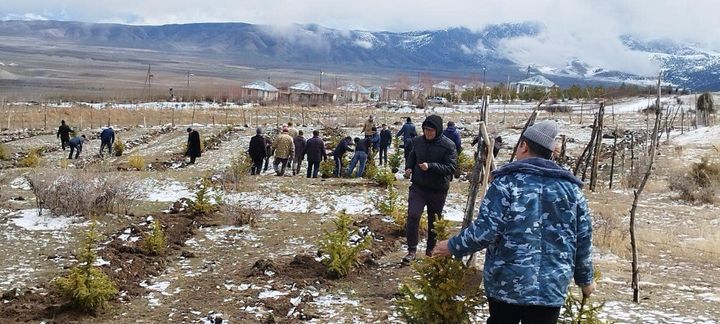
(193, 145)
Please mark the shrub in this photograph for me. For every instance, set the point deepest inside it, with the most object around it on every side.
(395, 159)
(87, 286)
(118, 147)
(581, 310)
(238, 169)
(371, 168)
(700, 184)
(385, 177)
(327, 168)
(71, 192)
(442, 291)
(245, 216)
(137, 162)
(4, 153)
(202, 205)
(155, 242)
(465, 164)
(340, 254)
(705, 103)
(32, 159)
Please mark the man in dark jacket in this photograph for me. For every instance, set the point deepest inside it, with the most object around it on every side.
(452, 133)
(385, 141)
(535, 223)
(407, 132)
(257, 151)
(299, 142)
(193, 145)
(431, 163)
(315, 151)
(362, 150)
(107, 138)
(342, 148)
(76, 144)
(63, 134)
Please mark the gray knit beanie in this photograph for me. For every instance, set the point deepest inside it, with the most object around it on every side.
(543, 134)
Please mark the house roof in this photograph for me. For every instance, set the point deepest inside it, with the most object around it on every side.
(417, 87)
(354, 87)
(445, 85)
(473, 85)
(305, 87)
(260, 85)
(537, 81)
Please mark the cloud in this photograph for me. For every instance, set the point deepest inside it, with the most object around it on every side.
(573, 28)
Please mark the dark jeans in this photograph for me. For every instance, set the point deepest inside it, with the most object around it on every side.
(296, 166)
(267, 164)
(257, 166)
(338, 166)
(383, 155)
(64, 142)
(312, 169)
(192, 159)
(359, 159)
(501, 312)
(279, 166)
(74, 148)
(418, 198)
(109, 147)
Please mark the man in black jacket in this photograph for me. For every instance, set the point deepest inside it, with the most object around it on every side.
(257, 151)
(193, 145)
(385, 141)
(339, 152)
(63, 134)
(315, 151)
(431, 163)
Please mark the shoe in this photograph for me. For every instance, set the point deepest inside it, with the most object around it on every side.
(408, 258)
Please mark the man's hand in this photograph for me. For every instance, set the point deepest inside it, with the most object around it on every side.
(407, 174)
(423, 166)
(588, 290)
(441, 249)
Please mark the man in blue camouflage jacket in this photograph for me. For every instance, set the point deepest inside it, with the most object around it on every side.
(534, 222)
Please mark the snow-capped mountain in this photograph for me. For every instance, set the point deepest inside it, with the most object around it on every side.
(456, 50)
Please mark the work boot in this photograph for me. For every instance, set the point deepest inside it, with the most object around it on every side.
(408, 258)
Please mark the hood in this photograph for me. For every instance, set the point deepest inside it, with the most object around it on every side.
(538, 166)
(434, 121)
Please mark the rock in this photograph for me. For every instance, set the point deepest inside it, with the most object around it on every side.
(186, 254)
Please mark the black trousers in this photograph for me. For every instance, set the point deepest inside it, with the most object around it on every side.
(383, 155)
(338, 166)
(504, 313)
(109, 147)
(418, 198)
(64, 142)
(76, 149)
(257, 166)
(313, 168)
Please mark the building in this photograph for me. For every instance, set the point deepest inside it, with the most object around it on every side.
(259, 90)
(536, 81)
(352, 92)
(307, 93)
(444, 87)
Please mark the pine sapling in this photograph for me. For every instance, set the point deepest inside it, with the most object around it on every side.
(342, 246)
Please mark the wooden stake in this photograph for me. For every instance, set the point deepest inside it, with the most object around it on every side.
(614, 151)
(636, 194)
(598, 147)
(528, 123)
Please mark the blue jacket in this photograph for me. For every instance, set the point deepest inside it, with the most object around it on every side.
(534, 222)
(341, 149)
(375, 141)
(107, 135)
(407, 132)
(77, 141)
(453, 135)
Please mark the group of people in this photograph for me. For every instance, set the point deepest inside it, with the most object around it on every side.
(533, 221)
(75, 144)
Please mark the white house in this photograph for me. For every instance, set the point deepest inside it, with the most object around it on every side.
(259, 90)
(536, 81)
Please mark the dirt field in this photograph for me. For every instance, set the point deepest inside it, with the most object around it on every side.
(271, 273)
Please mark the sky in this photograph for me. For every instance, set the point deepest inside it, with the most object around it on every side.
(586, 29)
